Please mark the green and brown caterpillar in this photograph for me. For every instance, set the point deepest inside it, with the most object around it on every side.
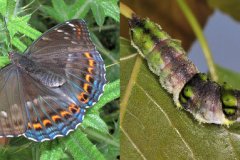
(208, 101)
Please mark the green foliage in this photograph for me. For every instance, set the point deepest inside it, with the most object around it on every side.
(92, 140)
(14, 24)
(229, 76)
(100, 9)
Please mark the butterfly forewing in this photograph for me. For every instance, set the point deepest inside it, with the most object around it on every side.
(68, 50)
(60, 38)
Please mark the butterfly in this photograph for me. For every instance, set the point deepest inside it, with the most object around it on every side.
(45, 92)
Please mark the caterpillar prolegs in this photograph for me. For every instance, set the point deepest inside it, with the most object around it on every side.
(208, 101)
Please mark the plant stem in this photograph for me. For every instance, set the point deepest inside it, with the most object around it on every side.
(201, 38)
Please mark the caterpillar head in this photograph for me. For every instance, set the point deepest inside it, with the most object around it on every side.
(209, 102)
(230, 102)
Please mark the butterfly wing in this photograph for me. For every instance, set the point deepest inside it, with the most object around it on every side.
(12, 113)
(49, 113)
(68, 50)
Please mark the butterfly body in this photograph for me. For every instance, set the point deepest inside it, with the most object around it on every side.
(208, 101)
(44, 93)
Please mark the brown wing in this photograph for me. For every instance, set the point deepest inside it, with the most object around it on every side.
(12, 112)
(68, 50)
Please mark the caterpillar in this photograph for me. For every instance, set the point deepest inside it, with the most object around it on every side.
(206, 100)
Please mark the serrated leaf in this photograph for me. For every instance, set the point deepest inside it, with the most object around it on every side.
(80, 9)
(20, 24)
(19, 44)
(61, 9)
(56, 154)
(109, 151)
(112, 91)
(80, 147)
(153, 128)
(4, 60)
(98, 12)
(93, 120)
(3, 6)
(111, 9)
(51, 12)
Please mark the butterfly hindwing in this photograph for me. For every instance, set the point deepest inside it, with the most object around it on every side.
(50, 114)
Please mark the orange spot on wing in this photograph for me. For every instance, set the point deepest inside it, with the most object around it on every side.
(83, 97)
(55, 118)
(73, 108)
(37, 126)
(88, 77)
(85, 87)
(91, 63)
(46, 122)
(65, 114)
(88, 55)
(29, 125)
(90, 70)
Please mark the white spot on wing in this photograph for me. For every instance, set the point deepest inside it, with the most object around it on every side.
(59, 30)
(70, 24)
(73, 42)
(3, 114)
(45, 39)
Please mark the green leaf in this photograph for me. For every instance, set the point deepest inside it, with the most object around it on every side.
(61, 8)
(80, 9)
(229, 7)
(56, 154)
(110, 151)
(231, 77)
(98, 12)
(152, 126)
(19, 44)
(14, 153)
(103, 8)
(52, 13)
(93, 120)
(3, 7)
(111, 9)
(79, 146)
(4, 60)
(59, 11)
(112, 91)
(7, 8)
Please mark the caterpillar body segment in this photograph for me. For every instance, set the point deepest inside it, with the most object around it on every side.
(208, 101)
(164, 55)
